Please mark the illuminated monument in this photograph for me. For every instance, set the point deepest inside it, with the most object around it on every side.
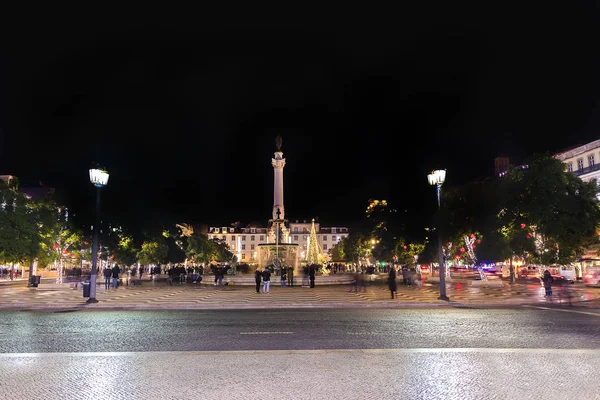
(278, 251)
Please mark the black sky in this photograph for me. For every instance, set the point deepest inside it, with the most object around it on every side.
(183, 105)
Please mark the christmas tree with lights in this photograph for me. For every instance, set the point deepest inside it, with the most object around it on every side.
(313, 253)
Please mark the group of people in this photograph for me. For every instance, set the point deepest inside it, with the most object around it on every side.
(408, 278)
(264, 278)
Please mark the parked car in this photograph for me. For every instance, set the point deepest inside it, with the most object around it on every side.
(530, 271)
(568, 273)
(592, 276)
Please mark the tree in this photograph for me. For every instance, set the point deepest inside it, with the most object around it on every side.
(153, 252)
(356, 247)
(550, 208)
(336, 253)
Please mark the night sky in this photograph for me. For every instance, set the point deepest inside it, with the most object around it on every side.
(182, 106)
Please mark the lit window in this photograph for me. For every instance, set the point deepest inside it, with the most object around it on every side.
(580, 164)
(591, 160)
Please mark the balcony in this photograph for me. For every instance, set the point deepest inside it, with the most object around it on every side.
(587, 170)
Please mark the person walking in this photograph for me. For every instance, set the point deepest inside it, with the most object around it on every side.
(283, 277)
(548, 280)
(266, 276)
(115, 276)
(311, 275)
(290, 276)
(257, 279)
(107, 275)
(392, 284)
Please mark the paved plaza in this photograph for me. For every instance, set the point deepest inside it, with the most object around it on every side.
(159, 295)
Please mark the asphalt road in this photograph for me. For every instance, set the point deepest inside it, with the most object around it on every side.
(524, 353)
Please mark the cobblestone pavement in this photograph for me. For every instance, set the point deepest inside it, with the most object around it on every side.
(467, 373)
(189, 296)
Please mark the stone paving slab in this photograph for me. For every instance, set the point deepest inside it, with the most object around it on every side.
(434, 373)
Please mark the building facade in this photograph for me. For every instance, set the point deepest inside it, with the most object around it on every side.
(244, 241)
(581, 161)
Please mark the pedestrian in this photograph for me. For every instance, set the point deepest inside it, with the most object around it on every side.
(257, 279)
(283, 277)
(107, 275)
(115, 276)
(266, 276)
(140, 273)
(392, 284)
(405, 275)
(311, 275)
(170, 275)
(548, 280)
(305, 276)
(290, 276)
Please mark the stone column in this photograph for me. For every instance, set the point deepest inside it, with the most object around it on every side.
(278, 163)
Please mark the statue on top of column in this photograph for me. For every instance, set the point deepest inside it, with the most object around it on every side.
(278, 142)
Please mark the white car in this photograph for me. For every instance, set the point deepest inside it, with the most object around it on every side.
(568, 273)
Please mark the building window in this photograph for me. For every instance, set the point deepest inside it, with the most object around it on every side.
(591, 160)
(243, 247)
(333, 238)
(295, 238)
(324, 238)
(216, 230)
(262, 238)
(224, 237)
(333, 230)
(251, 247)
(243, 237)
(304, 247)
(580, 164)
(304, 237)
(324, 247)
(570, 167)
(243, 256)
(252, 238)
(231, 230)
(233, 238)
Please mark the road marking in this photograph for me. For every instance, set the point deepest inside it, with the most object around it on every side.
(552, 351)
(266, 333)
(560, 309)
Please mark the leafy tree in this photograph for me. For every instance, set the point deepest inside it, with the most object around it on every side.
(550, 208)
(153, 252)
(356, 247)
(336, 253)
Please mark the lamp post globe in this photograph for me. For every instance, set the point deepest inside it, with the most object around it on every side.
(436, 178)
(98, 178)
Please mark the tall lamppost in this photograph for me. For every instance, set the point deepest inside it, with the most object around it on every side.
(437, 178)
(99, 178)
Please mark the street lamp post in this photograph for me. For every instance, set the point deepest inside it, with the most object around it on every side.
(437, 178)
(99, 178)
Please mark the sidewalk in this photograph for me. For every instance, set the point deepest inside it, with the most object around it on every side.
(160, 296)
